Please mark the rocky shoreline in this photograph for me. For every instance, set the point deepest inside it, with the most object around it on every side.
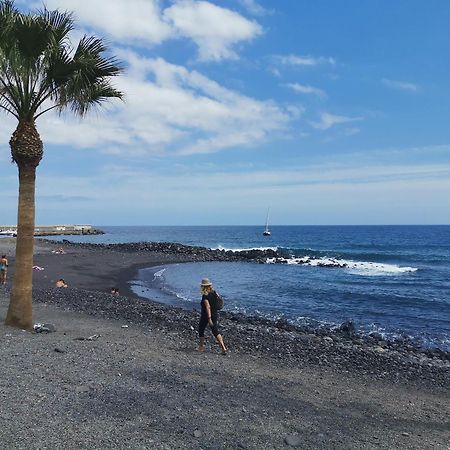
(341, 349)
(182, 251)
(186, 253)
(123, 372)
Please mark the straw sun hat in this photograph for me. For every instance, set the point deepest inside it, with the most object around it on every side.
(206, 282)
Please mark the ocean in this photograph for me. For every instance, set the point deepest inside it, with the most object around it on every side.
(394, 280)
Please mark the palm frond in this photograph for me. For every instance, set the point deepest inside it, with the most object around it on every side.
(61, 23)
(80, 101)
(5, 105)
(33, 36)
(37, 66)
(7, 15)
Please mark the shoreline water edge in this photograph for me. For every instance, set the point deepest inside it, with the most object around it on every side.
(123, 372)
(363, 352)
(178, 253)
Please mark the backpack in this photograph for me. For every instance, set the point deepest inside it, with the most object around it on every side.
(219, 302)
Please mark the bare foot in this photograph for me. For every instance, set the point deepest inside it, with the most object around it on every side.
(201, 348)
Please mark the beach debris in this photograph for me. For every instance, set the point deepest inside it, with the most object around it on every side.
(44, 328)
(124, 326)
(293, 440)
(59, 350)
(94, 337)
(197, 433)
(38, 268)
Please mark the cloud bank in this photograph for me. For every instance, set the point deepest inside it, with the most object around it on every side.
(215, 30)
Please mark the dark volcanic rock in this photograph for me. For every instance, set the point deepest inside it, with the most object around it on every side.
(280, 340)
(348, 328)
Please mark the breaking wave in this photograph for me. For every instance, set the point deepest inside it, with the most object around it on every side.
(360, 267)
(237, 250)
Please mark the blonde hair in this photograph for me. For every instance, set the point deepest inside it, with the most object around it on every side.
(205, 290)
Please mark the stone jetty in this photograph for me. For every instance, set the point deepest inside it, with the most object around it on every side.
(53, 230)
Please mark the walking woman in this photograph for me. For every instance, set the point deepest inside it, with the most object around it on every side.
(209, 316)
(3, 269)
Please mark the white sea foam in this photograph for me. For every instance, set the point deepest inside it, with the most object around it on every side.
(220, 247)
(357, 267)
(180, 296)
(159, 274)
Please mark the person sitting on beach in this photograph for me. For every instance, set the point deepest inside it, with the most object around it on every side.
(209, 316)
(61, 283)
(114, 291)
(3, 269)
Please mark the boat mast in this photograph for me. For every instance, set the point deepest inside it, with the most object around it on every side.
(266, 231)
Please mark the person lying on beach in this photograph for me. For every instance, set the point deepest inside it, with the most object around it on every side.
(61, 283)
(209, 316)
(59, 251)
(114, 291)
(3, 269)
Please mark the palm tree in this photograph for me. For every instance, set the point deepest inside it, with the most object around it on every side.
(41, 71)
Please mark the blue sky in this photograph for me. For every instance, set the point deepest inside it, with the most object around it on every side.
(328, 112)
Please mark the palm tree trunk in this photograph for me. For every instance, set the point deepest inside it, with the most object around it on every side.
(20, 311)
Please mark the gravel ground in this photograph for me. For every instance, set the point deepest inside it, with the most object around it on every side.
(121, 372)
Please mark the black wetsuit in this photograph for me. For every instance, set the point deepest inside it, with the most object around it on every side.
(212, 298)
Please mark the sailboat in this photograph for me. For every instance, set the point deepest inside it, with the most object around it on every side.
(266, 231)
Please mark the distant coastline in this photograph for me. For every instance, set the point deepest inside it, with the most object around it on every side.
(55, 230)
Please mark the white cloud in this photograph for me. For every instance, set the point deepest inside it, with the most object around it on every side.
(295, 110)
(136, 20)
(95, 132)
(253, 7)
(296, 60)
(214, 29)
(328, 120)
(305, 89)
(343, 189)
(322, 193)
(400, 85)
(170, 109)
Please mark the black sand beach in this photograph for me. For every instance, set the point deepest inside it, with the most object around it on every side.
(122, 372)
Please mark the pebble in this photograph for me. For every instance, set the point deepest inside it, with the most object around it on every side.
(293, 440)
(81, 389)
